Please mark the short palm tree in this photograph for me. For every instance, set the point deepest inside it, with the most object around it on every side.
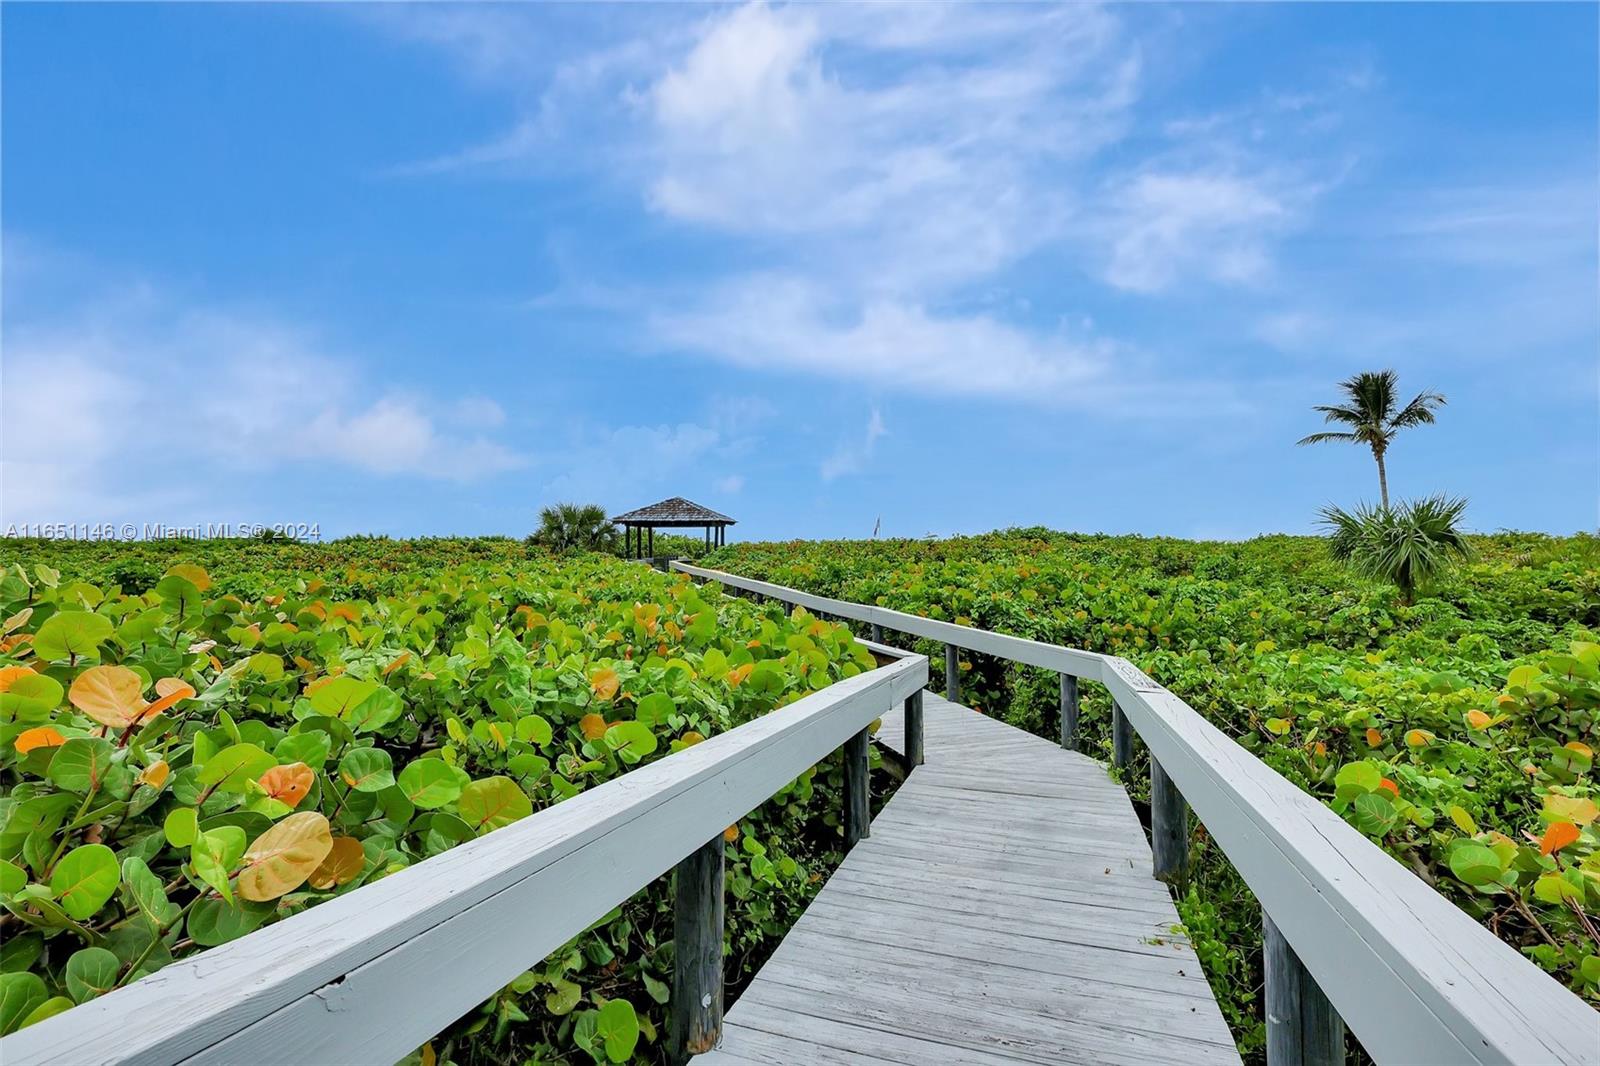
(575, 527)
(1371, 413)
(1411, 545)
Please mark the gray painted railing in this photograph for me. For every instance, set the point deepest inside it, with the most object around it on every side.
(1352, 934)
(369, 976)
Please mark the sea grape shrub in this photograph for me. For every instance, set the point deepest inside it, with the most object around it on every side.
(187, 761)
(1456, 732)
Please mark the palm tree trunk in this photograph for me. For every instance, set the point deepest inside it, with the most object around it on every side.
(1383, 477)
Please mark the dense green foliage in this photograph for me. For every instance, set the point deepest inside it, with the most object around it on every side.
(197, 739)
(1455, 732)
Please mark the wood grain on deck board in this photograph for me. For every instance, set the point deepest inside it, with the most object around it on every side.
(1002, 911)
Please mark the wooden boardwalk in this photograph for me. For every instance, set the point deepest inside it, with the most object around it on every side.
(1002, 910)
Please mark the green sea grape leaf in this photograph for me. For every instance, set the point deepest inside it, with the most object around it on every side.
(84, 879)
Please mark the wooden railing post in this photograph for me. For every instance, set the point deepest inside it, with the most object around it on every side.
(877, 633)
(1121, 737)
(914, 729)
(952, 673)
(695, 1024)
(857, 813)
(1169, 825)
(1303, 1029)
(1069, 712)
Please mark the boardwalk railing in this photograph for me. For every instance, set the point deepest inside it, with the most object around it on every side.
(1352, 937)
(370, 976)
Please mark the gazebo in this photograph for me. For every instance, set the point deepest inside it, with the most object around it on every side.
(676, 513)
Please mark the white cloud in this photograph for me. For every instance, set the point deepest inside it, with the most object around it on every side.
(1216, 226)
(852, 457)
(133, 402)
(781, 323)
(874, 166)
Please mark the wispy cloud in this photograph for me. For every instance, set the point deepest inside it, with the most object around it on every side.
(133, 400)
(853, 456)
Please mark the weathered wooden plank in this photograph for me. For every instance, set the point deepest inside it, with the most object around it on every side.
(1069, 712)
(1121, 738)
(999, 923)
(914, 732)
(857, 777)
(1169, 826)
(377, 958)
(1303, 1029)
(695, 1022)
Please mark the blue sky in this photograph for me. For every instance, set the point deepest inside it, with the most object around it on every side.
(421, 269)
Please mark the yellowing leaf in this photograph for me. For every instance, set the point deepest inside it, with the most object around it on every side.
(42, 737)
(1392, 788)
(739, 673)
(1374, 738)
(1558, 836)
(109, 695)
(288, 784)
(605, 683)
(1570, 809)
(344, 864)
(1459, 815)
(1417, 738)
(593, 726)
(282, 858)
(731, 833)
(396, 663)
(192, 573)
(156, 775)
(1478, 720)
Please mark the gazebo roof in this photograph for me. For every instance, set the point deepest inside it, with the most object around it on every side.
(674, 512)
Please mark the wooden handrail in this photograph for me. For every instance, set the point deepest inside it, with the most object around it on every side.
(1416, 978)
(369, 976)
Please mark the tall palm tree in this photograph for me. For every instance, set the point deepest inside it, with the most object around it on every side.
(1370, 412)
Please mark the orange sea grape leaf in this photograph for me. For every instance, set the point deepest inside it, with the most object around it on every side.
(1558, 836)
(109, 695)
(344, 864)
(288, 784)
(42, 737)
(593, 726)
(9, 674)
(1374, 738)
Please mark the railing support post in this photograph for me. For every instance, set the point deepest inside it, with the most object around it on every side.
(695, 1024)
(914, 729)
(877, 633)
(1121, 737)
(857, 814)
(1069, 712)
(1169, 826)
(952, 673)
(1303, 1029)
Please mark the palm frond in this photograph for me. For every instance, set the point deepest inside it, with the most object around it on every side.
(1323, 438)
(1419, 412)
